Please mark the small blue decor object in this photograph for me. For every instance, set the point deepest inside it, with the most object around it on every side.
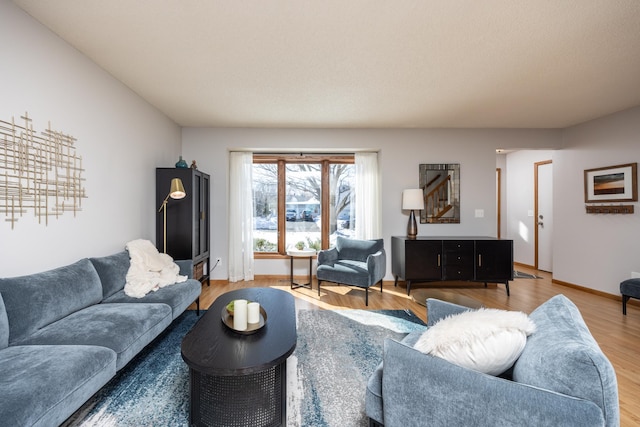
(181, 163)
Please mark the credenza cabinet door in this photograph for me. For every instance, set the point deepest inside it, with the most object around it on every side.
(424, 259)
(494, 260)
(416, 259)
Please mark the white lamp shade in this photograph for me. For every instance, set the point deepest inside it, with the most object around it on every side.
(412, 199)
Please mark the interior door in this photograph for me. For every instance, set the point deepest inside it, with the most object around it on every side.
(544, 215)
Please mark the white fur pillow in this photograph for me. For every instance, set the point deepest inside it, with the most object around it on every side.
(486, 340)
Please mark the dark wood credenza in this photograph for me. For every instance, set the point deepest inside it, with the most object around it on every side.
(437, 259)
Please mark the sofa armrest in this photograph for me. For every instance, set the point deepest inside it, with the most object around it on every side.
(419, 388)
(437, 310)
(327, 256)
(377, 266)
(186, 267)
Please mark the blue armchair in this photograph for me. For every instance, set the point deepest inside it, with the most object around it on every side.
(353, 262)
(562, 378)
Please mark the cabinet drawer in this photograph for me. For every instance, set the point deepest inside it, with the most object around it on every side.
(458, 252)
(460, 272)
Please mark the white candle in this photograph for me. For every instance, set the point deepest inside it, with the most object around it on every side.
(253, 315)
(240, 315)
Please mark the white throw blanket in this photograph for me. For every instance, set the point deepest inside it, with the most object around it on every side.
(149, 270)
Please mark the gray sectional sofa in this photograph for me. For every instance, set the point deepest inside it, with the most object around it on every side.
(64, 334)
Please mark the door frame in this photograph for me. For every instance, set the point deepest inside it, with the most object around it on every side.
(536, 165)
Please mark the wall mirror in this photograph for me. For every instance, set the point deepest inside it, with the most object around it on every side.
(440, 184)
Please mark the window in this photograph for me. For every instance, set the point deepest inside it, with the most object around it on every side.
(306, 199)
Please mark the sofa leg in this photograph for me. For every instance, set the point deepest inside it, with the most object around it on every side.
(319, 287)
(380, 285)
(198, 306)
(625, 298)
(366, 297)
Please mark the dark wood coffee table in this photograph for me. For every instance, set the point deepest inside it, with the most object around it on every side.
(237, 379)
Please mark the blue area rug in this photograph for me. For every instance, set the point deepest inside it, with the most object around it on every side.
(326, 375)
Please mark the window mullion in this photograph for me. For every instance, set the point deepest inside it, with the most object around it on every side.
(325, 205)
(282, 203)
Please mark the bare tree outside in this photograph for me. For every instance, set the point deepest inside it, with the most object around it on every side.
(303, 210)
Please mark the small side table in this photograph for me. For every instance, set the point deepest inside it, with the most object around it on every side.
(305, 253)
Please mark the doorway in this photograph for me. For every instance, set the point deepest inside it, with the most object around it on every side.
(543, 182)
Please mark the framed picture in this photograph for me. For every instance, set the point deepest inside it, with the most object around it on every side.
(611, 184)
(440, 183)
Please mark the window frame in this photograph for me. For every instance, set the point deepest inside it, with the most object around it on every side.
(325, 160)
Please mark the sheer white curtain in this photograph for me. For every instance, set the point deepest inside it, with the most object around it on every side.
(240, 216)
(368, 197)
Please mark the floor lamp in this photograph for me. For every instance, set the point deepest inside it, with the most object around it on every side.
(411, 200)
(176, 192)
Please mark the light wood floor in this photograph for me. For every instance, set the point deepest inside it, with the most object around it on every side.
(617, 335)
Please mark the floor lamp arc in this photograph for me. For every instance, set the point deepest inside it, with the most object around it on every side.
(176, 192)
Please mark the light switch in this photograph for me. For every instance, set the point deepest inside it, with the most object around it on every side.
(530, 213)
(479, 213)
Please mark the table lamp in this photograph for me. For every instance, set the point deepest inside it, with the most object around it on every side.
(411, 200)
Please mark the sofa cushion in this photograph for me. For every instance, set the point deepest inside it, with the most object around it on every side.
(486, 340)
(357, 250)
(562, 356)
(33, 302)
(112, 270)
(178, 296)
(345, 271)
(44, 385)
(124, 328)
(4, 325)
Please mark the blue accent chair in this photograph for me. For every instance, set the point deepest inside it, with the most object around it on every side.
(353, 262)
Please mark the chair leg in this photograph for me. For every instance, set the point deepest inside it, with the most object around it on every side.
(198, 306)
(625, 298)
(380, 285)
(366, 297)
(319, 287)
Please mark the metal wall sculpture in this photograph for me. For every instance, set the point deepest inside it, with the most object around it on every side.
(38, 172)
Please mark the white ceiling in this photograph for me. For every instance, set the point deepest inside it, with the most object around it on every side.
(363, 63)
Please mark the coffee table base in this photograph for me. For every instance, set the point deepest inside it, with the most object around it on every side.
(256, 399)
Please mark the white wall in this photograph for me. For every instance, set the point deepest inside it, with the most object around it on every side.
(401, 152)
(519, 181)
(120, 137)
(596, 251)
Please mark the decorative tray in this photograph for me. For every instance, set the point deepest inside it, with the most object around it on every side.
(252, 328)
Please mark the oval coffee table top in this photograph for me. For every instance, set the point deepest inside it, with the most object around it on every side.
(213, 348)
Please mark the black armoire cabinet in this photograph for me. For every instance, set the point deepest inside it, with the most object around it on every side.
(188, 220)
